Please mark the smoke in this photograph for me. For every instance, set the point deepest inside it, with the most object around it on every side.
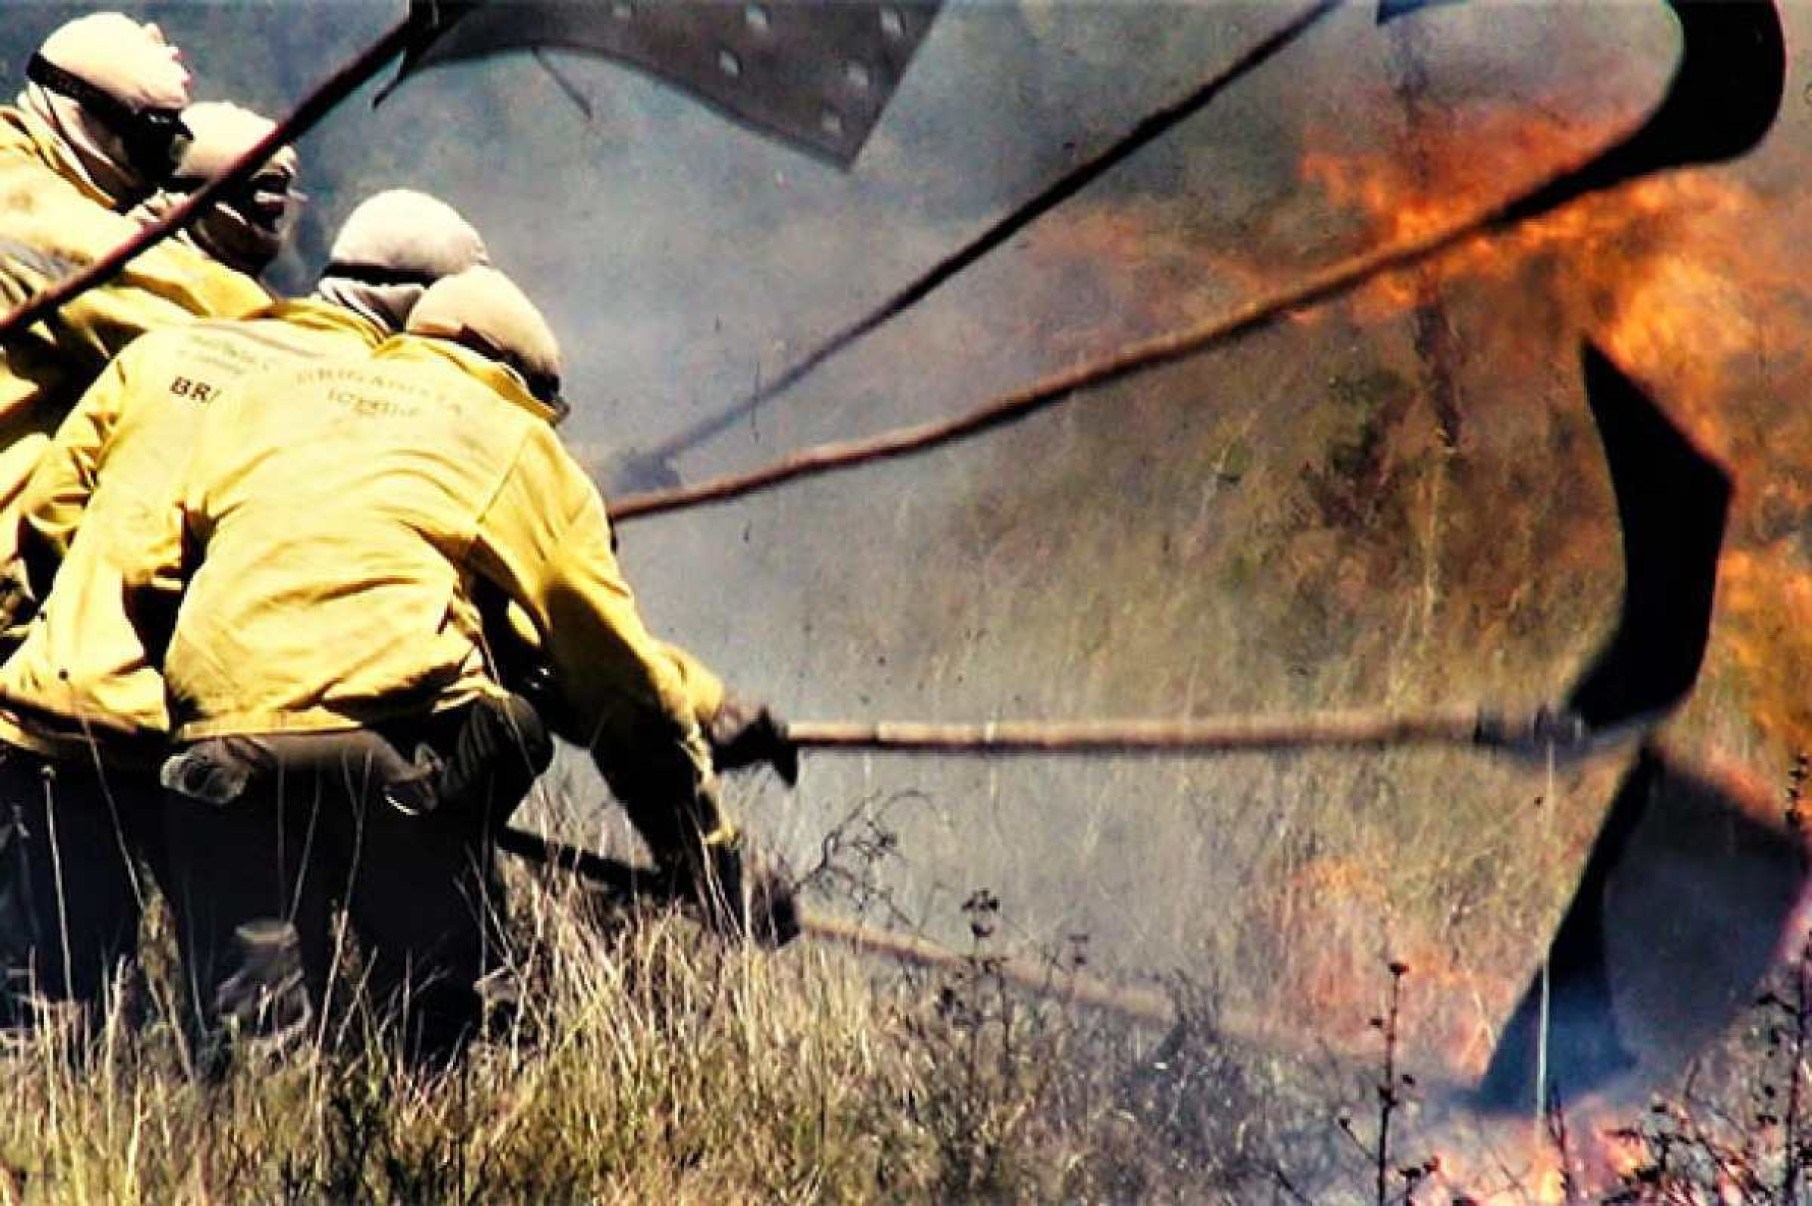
(1377, 504)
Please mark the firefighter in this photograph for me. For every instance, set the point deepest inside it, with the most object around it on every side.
(247, 228)
(97, 128)
(82, 718)
(343, 532)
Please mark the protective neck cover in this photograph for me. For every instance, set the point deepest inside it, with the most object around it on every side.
(87, 148)
(222, 233)
(386, 305)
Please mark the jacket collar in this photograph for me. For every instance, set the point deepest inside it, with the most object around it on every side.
(319, 314)
(500, 379)
(22, 129)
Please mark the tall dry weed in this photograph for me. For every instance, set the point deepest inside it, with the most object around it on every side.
(645, 1062)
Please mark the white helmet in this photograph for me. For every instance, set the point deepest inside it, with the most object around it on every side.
(483, 309)
(112, 89)
(247, 227)
(391, 248)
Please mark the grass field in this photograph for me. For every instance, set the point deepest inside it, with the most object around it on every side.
(648, 1063)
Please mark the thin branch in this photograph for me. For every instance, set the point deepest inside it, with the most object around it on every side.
(1221, 734)
(1126, 362)
(1148, 130)
(1723, 98)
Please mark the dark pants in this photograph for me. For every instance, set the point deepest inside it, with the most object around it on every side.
(269, 834)
(75, 849)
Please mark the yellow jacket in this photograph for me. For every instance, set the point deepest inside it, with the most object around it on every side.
(343, 523)
(53, 223)
(703, 687)
(111, 472)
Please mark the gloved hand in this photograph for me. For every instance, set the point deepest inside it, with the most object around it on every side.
(744, 896)
(17, 602)
(747, 735)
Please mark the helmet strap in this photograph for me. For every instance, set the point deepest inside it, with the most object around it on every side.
(154, 139)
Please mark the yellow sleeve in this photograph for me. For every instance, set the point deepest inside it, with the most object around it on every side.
(703, 688)
(95, 326)
(545, 541)
(56, 497)
(517, 637)
(157, 574)
(166, 285)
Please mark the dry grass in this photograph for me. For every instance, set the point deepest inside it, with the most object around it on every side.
(651, 1064)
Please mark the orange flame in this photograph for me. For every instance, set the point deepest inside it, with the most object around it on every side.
(1685, 280)
(1693, 282)
(1630, 266)
(1768, 594)
(1520, 1160)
